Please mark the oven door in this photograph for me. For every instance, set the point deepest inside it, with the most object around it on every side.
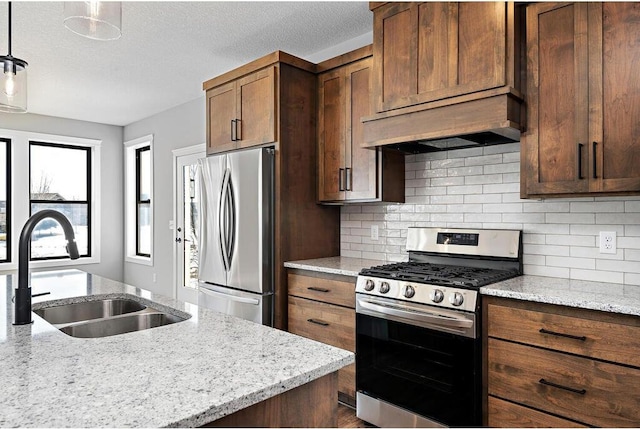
(421, 359)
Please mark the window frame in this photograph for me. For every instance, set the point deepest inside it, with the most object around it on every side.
(8, 208)
(139, 201)
(20, 194)
(87, 202)
(131, 197)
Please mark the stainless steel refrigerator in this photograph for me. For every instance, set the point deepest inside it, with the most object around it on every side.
(237, 238)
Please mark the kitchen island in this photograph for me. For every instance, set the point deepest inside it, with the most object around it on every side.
(189, 373)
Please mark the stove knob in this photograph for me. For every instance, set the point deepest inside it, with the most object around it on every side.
(456, 299)
(409, 291)
(369, 285)
(384, 287)
(436, 295)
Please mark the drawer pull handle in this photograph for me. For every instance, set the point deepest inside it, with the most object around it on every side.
(559, 334)
(318, 322)
(559, 386)
(318, 289)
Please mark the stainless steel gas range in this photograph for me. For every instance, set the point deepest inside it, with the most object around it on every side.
(418, 344)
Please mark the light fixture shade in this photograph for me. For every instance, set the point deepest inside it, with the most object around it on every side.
(98, 20)
(13, 85)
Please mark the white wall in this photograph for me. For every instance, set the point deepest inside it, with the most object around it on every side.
(175, 128)
(111, 231)
(479, 188)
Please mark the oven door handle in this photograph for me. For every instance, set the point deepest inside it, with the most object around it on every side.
(425, 317)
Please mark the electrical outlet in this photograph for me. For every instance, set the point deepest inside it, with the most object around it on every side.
(155, 277)
(608, 242)
(374, 232)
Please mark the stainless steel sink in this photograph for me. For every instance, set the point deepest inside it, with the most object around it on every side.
(81, 311)
(103, 317)
(120, 325)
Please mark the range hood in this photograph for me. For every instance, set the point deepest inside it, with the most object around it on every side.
(463, 142)
(489, 119)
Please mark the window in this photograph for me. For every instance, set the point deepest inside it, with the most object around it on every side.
(138, 177)
(143, 201)
(60, 179)
(5, 200)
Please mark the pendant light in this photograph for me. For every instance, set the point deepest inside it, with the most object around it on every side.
(13, 81)
(98, 20)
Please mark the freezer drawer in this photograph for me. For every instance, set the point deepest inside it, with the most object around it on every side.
(249, 306)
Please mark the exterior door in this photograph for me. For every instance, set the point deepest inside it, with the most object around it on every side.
(187, 224)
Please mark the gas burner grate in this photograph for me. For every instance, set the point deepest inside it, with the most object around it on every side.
(441, 275)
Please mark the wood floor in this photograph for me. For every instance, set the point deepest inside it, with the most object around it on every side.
(347, 418)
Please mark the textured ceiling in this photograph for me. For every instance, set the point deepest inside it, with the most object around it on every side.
(166, 51)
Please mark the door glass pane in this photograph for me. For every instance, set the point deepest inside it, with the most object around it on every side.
(145, 175)
(191, 224)
(47, 239)
(3, 201)
(58, 173)
(144, 229)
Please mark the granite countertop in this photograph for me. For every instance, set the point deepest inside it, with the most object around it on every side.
(334, 265)
(185, 374)
(609, 297)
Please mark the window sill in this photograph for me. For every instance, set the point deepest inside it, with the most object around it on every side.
(141, 260)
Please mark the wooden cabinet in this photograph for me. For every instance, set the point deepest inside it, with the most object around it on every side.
(275, 100)
(583, 99)
(433, 50)
(445, 69)
(322, 308)
(242, 113)
(346, 171)
(548, 365)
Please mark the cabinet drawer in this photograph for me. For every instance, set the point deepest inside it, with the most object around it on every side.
(503, 414)
(586, 337)
(323, 289)
(592, 392)
(322, 322)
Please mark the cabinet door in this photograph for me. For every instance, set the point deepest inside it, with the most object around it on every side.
(331, 136)
(555, 147)
(614, 94)
(435, 50)
(221, 111)
(256, 108)
(361, 164)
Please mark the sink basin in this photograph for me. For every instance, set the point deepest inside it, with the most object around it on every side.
(81, 311)
(120, 325)
(103, 317)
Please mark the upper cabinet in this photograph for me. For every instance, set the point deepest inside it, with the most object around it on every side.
(445, 69)
(346, 171)
(242, 112)
(583, 98)
(429, 51)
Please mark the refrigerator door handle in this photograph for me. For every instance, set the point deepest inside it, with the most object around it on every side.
(222, 220)
(231, 201)
(229, 297)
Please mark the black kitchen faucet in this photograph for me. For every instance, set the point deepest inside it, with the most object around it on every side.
(23, 291)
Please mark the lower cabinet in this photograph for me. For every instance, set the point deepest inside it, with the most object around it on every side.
(553, 366)
(322, 308)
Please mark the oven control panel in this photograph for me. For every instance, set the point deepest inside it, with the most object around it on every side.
(440, 296)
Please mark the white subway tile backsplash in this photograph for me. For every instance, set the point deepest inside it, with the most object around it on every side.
(628, 242)
(597, 207)
(618, 218)
(501, 188)
(558, 261)
(597, 276)
(480, 188)
(544, 271)
(632, 207)
(571, 218)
